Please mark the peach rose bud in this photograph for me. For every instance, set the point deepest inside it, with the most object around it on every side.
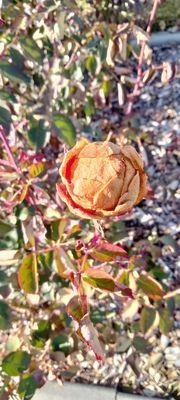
(101, 179)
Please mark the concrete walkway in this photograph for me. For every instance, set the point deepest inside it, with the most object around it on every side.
(164, 38)
(76, 391)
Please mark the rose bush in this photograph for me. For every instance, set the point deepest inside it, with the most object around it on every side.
(101, 179)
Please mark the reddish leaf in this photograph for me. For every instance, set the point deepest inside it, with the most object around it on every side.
(108, 252)
(150, 287)
(27, 274)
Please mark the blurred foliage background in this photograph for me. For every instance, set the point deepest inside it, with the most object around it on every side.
(66, 70)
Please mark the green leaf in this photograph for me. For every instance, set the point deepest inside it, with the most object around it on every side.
(124, 346)
(62, 343)
(107, 87)
(91, 64)
(27, 274)
(31, 49)
(124, 278)
(64, 128)
(16, 362)
(89, 108)
(166, 321)
(97, 316)
(107, 252)
(40, 335)
(141, 344)
(37, 133)
(27, 387)
(17, 58)
(99, 279)
(5, 315)
(4, 95)
(13, 72)
(150, 287)
(4, 228)
(147, 319)
(3, 278)
(5, 118)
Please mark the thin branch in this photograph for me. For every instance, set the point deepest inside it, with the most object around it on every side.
(138, 84)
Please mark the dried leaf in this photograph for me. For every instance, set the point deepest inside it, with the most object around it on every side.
(74, 309)
(140, 34)
(122, 45)
(111, 51)
(130, 309)
(65, 260)
(168, 72)
(148, 75)
(121, 96)
(90, 336)
(147, 54)
(28, 233)
(60, 265)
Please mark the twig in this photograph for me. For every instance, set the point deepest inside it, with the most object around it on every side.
(141, 59)
(52, 248)
(8, 150)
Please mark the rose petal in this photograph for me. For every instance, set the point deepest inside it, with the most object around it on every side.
(73, 207)
(128, 176)
(108, 196)
(133, 156)
(99, 149)
(143, 187)
(119, 210)
(70, 159)
(84, 191)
